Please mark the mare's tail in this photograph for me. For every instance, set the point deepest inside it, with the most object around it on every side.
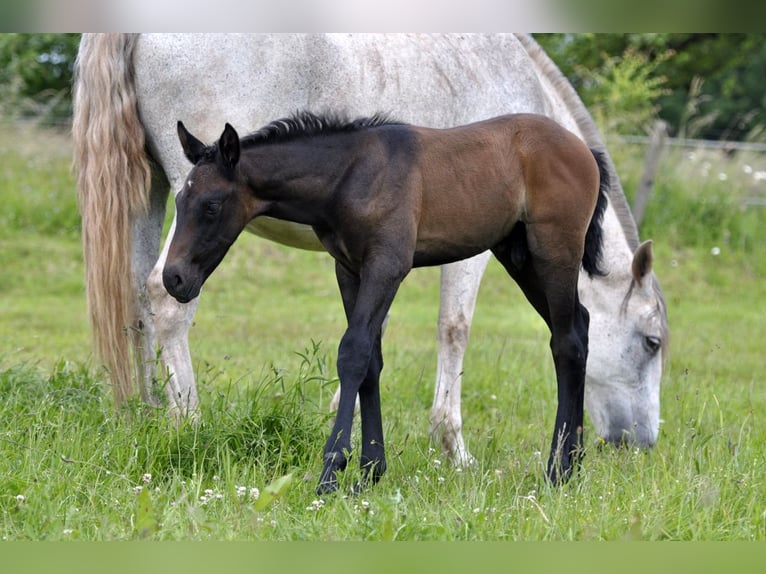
(591, 259)
(113, 181)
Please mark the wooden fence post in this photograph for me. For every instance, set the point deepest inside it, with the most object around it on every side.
(645, 186)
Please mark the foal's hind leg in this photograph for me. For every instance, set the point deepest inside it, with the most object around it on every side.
(547, 274)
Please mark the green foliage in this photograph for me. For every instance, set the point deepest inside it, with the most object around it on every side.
(625, 88)
(732, 94)
(36, 75)
(730, 100)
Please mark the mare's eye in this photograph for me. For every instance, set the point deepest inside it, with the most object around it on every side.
(212, 208)
(653, 344)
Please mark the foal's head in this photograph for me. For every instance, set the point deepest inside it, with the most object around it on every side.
(212, 209)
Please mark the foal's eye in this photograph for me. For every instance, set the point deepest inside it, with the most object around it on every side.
(652, 343)
(212, 208)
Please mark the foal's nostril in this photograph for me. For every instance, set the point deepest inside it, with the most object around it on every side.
(172, 280)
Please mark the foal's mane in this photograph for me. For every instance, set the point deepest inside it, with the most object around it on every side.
(304, 123)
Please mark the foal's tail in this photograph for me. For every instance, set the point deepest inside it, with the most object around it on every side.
(113, 181)
(591, 259)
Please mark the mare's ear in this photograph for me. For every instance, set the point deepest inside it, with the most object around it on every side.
(228, 144)
(641, 267)
(193, 148)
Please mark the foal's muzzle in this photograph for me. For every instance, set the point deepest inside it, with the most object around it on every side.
(180, 288)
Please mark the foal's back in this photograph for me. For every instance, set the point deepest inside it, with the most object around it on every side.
(477, 181)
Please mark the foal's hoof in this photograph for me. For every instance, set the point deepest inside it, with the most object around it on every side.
(327, 487)
(561, 468)
(333, 463)
(558, 475)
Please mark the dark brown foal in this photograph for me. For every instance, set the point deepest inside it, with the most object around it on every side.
(383, 198)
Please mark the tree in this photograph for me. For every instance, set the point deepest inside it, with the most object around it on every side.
(36, 75)
(714, 84)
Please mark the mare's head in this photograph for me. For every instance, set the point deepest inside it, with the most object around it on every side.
(212, 209)
(628, 338)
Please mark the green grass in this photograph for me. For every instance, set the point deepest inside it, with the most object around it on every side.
(264, 344)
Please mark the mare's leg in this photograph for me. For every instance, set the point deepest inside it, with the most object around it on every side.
(459, 288)
(146, 236)
(172, 321)
(366, 300)
(548, 274)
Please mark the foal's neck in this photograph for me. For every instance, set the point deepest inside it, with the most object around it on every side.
(295, 170)
(298, 178)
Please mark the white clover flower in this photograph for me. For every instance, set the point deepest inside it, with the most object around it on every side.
(147, 477)
(363, 506)
(255, 494)
(20, 498)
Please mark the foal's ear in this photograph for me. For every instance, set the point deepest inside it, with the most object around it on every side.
(228, 144)
(193, 148)
(641, 267)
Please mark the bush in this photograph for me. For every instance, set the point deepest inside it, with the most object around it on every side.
(36, 76)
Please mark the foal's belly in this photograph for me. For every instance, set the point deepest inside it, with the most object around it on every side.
(441, 254)
(287, 233)
(461, 237)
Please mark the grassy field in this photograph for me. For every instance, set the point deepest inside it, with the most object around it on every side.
(264, 344)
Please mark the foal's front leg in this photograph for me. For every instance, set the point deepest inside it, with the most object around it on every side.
(366, 300)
